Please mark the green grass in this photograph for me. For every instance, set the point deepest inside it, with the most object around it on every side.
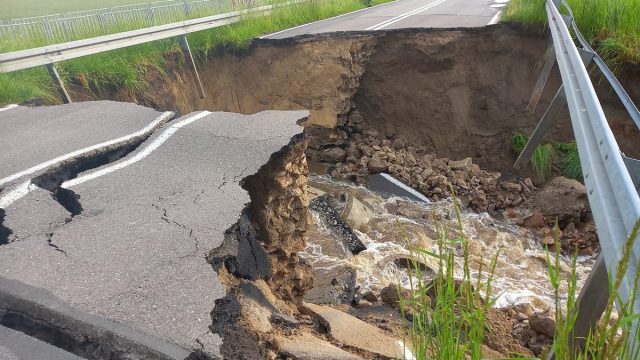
(449, 315)
(611, 26)
(12, 9)
(564, 156)
(126, 68)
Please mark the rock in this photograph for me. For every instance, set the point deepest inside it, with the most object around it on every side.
(284, 321)
(370, 296)
(333, 285)
(355, 213)
(460, 164)
(399, 143)
(389, 295)
(389, 131)
(535, 220)
(542, 323)
(333, 154)
(562, 198)
(377, 166)
(314, 193)
(353, 332)
(308, 347)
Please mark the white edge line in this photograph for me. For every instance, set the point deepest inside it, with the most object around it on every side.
(327, 19)
(140, 155)
(405, 187)
(9, 107)
(404, 16)
(494, 20)
(160, 119)
(15, 194)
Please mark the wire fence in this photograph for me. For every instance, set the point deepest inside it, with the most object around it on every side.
(77, 25)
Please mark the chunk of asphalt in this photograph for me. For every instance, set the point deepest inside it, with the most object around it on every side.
(15, 345)
(387, 185)
(338, 227)
(38, 313)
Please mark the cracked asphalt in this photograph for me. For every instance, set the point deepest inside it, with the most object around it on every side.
(34, 135)
(136, 252)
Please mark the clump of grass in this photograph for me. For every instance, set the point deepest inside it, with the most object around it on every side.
(541, 161)
(612, 27)
(563, 155)
(569, 160)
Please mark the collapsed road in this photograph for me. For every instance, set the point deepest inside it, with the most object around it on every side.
(125, 275)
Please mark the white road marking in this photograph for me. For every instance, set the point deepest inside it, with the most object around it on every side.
(498, 5)
(404, 16)
(8, 107)
(160, 119)
(139, 156)
(327, 19)
(15, 194)
(501, 1)
(494, 20)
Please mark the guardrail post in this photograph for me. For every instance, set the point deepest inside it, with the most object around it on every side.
(61, 88)
(558, 103)
(549, 61)
(191, 62)
(590, 305)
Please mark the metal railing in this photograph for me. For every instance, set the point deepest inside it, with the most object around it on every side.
(611, 179)
(85, 24)
(49, 55)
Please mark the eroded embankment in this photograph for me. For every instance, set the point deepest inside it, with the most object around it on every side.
(461, 92)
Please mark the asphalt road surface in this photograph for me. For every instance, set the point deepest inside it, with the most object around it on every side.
(37, 138)
(406, 14)
(15, 345)
(135, 252)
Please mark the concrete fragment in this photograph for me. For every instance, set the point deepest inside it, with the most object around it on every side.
(355, 213)
(307, 347)
(354, 332)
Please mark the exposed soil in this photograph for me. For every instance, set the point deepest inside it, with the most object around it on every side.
(459, 92)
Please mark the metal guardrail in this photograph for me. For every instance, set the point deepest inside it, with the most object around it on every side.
(49, 55)
(89, 23)
(611, 178)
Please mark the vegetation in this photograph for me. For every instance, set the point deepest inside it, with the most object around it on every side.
(126, 68)
(611, 26)
(449, 315)
(12, 9)
(546, 157)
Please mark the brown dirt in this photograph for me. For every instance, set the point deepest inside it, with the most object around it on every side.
(459, 92)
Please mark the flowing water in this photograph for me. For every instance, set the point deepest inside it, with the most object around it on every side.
(390, 226)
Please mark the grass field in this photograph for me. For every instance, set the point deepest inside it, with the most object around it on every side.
(125, 68)
(12, 9)
(611, 26)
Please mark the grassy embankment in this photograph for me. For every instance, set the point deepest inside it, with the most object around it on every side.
(612, 27)
(450, 315)
(125, 68)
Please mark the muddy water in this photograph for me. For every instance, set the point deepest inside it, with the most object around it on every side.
(395, 225)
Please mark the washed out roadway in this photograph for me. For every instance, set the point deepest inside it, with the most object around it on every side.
(405, 14)
(135, 254)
